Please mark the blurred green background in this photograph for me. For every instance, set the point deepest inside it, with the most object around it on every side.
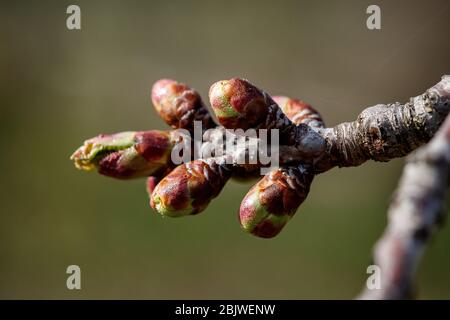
(60, 87)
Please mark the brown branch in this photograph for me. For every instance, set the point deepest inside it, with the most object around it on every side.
(414, 215)
(381, 133)
(384, 132)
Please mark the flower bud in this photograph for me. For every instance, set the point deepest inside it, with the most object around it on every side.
(239, 104)
(179, 106)
(272, 202)
(151, 184)
(299, 111)
(189, 188)
(126, 155)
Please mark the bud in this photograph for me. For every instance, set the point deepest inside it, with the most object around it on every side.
(126, 155)
(151, 184)
(189, 188)
(179, 106)
(272, 202)
(299, 111)
(239, 104)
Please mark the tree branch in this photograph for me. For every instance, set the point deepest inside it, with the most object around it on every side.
(414, 215)
(384, 132)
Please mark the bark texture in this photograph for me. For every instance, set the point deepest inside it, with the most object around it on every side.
(414, 215)
(387, 131)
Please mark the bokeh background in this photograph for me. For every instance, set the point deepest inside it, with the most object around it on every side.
(60, 87)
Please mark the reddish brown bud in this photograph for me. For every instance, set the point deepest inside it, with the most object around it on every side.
(189, 188)
(239, 104)
(152, 181)
(299, 111)
(151, 184)
(271, 203)
(179, 106)
(126, 155)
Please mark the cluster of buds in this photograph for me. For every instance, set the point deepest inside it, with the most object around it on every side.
(188, 188)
